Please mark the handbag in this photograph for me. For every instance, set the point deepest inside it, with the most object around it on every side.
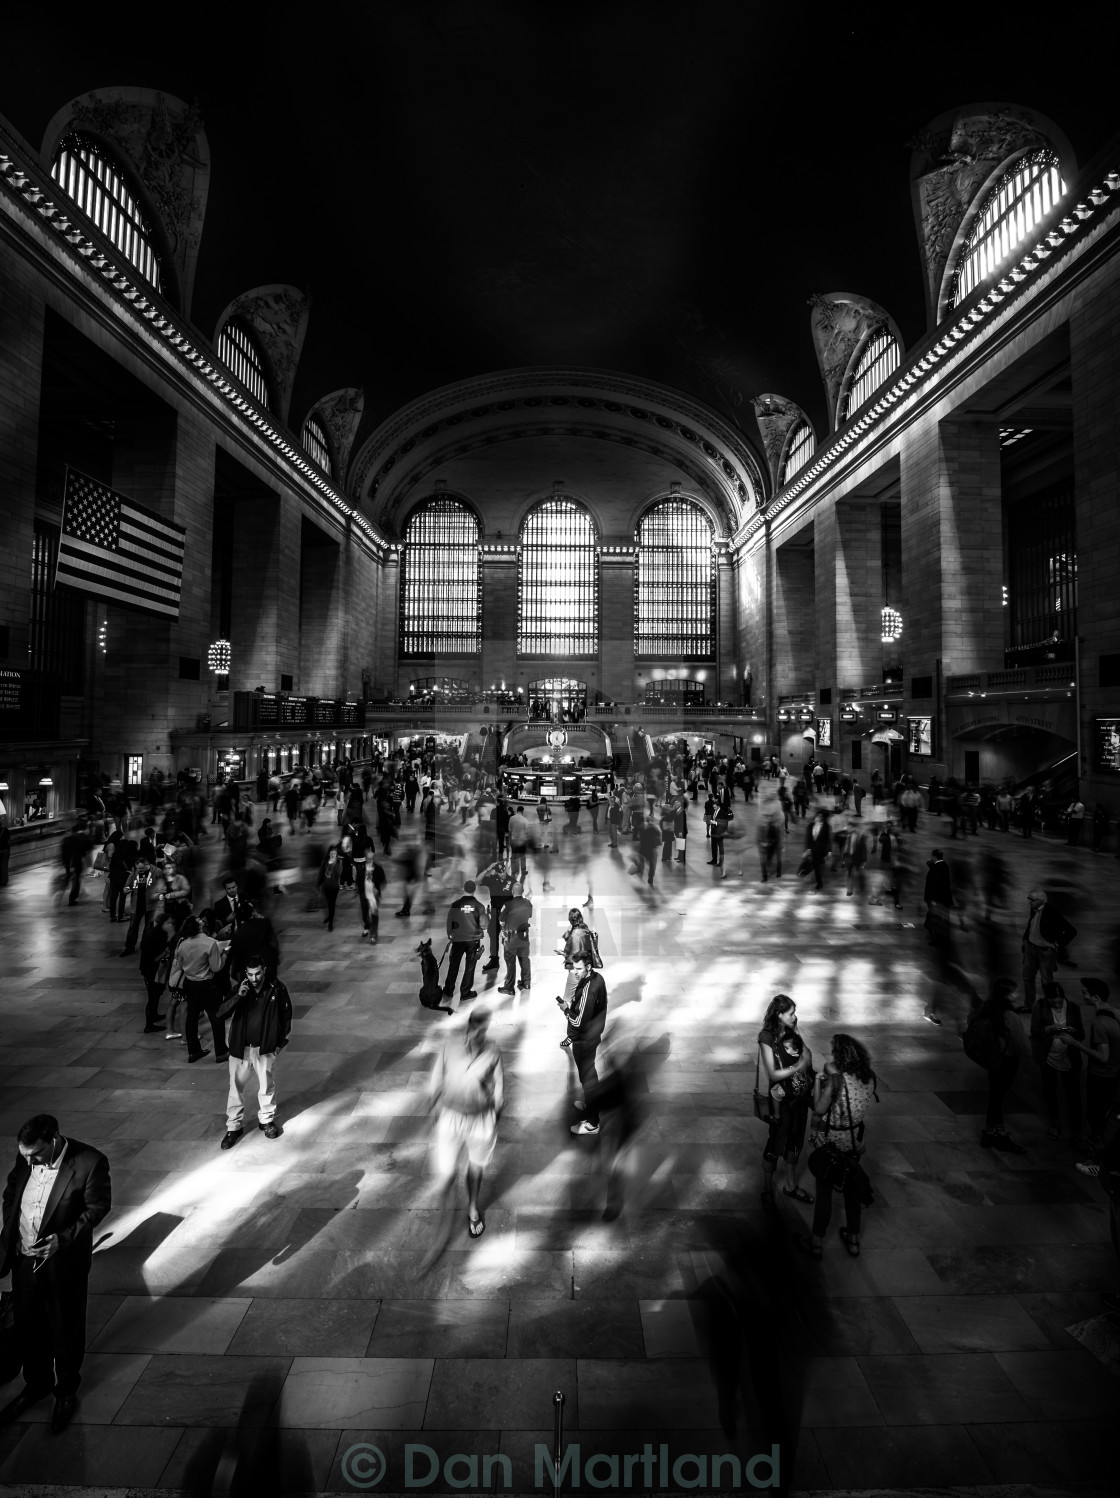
(680, 844)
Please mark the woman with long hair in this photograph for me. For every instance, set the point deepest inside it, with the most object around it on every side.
(840, 1098)
(787, 1063)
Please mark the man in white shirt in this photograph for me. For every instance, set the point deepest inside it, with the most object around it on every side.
(56, 1194)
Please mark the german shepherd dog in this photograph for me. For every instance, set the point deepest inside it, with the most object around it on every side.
(431, 994)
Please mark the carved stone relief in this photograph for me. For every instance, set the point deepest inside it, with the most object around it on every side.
(839, 323)
(341, 414)
(161, 138)
(278, 315)
(951, 160)
(776, 416)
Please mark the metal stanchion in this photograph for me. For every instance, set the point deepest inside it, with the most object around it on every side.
(557, 1437)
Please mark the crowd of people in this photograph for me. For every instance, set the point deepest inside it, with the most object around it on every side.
(209, 955)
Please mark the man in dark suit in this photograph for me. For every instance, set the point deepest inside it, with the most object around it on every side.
(57, 1193)
(229, 911)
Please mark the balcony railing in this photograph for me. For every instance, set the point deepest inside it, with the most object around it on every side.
(1017, 680)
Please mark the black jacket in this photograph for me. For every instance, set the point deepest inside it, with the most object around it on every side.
(276, 1025)
(1054, 929)
(254, 938)
(587, 1012)
(939, 884)
(81, 1197)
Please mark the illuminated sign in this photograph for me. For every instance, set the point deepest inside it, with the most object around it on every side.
(920, 735)
(1106, 743)
(824, 733)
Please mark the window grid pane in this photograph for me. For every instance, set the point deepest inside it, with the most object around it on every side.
(441, 594)
(238, 353)
(315, 444)
(674, 588)
(1043, 568)
(100, 192)
(877, 363)
(1023, 196)
(801, 448)
(557, 583)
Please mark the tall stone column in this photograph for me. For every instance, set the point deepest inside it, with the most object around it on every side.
(21, 367)
(726, 686)
(499, 617)
(321, 624)
(794, 619)
(848, 549)
(266, 571)
(952, 549)
(1095, 377)
(617, 670)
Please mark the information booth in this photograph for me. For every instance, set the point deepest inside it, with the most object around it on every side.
(557, 762)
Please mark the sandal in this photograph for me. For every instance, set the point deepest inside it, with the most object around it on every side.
(476, 1226)
(806, 1244)
(798, 1194)
(850, 1242)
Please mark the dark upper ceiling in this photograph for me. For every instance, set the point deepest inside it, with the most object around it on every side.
(646, 187)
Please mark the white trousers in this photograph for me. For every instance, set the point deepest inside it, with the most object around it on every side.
(239, 1074)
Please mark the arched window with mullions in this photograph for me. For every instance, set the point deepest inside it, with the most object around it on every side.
(799, 450)
(441, 590)
(1022, 197)
(878, 361)
(238, 351)
(674, 583)
(558, 583)
(86, 171)
(315, 444)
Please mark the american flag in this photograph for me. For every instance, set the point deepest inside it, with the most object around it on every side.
(114, 549)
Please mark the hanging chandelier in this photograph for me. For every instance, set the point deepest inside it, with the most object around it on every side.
(892, 625)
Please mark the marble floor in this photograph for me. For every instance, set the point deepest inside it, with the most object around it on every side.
(260, 1315)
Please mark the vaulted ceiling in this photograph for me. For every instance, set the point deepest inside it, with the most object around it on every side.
(466, 187)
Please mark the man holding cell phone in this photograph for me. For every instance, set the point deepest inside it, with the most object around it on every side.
(56, 1194)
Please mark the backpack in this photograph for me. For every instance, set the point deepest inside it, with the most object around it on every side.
(981, 1044)
(593, 948)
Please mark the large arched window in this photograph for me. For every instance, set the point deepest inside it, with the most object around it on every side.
(237, 349)
(441, 593)
(557, 582)
(315, 444)
(88, 174)
(674, 583)
(802, 445)
(879, 360)
(1022, 197)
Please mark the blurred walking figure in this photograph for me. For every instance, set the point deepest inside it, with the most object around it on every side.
(467, 1089)
(1056, 1025)
(989, 1040)
(938, 895)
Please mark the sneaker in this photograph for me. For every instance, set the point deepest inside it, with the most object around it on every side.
(586, 1127)
(566, 1043)
(230, 1139)
(1089, 1168)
